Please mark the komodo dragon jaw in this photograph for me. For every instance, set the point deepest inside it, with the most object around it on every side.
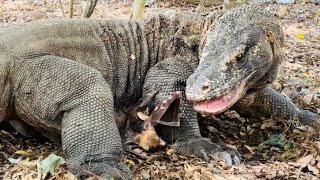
(234, 59)
(220, 104)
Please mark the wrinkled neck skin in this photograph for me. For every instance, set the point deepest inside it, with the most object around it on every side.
(242, 52)
(5, 92)
(155, 40)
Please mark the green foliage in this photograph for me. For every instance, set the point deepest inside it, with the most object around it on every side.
(50, 164)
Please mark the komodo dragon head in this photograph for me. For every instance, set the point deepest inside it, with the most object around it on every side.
(242, 52)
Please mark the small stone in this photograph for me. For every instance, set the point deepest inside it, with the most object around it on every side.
(283, 11)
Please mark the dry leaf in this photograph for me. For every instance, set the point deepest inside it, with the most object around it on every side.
(189, 169)
(313, 169)
(69, 176)
(145, 173)
(218, 177)
(304, 161)
(154, 157)
(29, 164)
(196, 175)
(24, 152)
(251, 149)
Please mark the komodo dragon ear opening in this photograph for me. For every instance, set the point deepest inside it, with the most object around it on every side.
(275, 46)
(271, 75)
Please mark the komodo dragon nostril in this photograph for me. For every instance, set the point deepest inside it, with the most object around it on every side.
(206, 87)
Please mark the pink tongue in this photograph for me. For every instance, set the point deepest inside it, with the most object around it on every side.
(217, 104)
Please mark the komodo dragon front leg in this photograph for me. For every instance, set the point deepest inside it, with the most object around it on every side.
(170, 76)
(59, 96)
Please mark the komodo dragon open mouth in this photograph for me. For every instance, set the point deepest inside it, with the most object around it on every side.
(220, 104)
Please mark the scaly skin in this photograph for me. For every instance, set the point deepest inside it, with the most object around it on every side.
(266, 102)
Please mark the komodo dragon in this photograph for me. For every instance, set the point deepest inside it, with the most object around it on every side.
(67, 78)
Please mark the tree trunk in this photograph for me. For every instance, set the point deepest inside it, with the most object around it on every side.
(88, 7)
(138, 9)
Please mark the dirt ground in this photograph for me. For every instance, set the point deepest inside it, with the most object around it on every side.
(270, 149)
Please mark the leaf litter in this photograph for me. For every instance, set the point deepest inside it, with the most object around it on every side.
(270, 148)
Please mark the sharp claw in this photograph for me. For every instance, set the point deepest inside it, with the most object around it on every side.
(238, 154)
(229, 159)
(224, 155)
(230, 155)
(236, 160)
(204, 148)
(204, 154)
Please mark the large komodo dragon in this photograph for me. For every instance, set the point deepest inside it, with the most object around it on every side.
(68, 78)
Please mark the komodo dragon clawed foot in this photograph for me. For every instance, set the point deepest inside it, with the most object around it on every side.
(204, 148)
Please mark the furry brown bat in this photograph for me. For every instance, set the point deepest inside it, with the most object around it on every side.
(137, 125)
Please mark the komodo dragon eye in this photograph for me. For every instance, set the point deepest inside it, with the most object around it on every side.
(238, 56)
